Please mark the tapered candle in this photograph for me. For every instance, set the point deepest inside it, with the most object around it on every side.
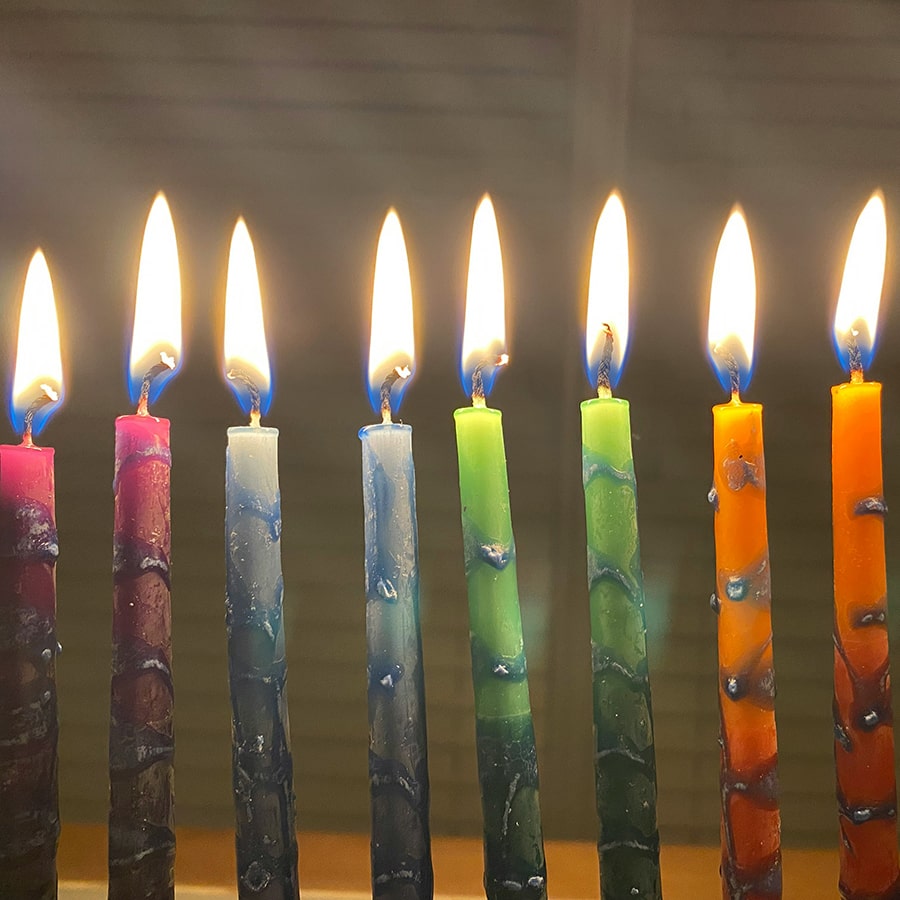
(507, 758)
(751, 825)
(29, 807)
(863, 718)
(141, 730)
(262, 766)
(398, 753)
(624, 755)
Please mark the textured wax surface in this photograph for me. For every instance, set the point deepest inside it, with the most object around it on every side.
(262, 767)
(624, 754)
(29, 809)
(751, 827)
(863, 716)
(141, 729)
(507, 758)
(398, 754)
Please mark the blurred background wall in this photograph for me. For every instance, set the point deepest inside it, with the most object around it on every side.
(310, 120)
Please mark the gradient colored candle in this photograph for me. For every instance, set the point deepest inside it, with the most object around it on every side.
(262, 766)
(863, 719)
(507, 758)
(624, 755)
(751, 824)
(398, 752)
(141, 734)
(29, 808)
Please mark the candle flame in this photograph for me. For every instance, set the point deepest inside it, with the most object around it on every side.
(607, 312)
(391, 342)
(246, 356)
(38, 379)
(732, 306)
(484, 332)
(856, 317)
(156, 340)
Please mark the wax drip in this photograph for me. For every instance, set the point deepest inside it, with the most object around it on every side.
(398, 373)
(166, 364)
(854, 357)
(734, 372)
(47, 395)
(478, 395)
(252, 389)
(604, 389)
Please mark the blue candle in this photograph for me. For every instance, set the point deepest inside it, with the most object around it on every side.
(262, 768)
(398, 755)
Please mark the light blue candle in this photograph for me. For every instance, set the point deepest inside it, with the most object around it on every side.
(262, 767)
(398, 755)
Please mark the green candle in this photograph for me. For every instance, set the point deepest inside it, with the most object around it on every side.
(624, 759)
(507, 759)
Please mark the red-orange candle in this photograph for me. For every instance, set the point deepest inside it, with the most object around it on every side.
(751, 827)
(863, 729)
(141, 727)
(29, 808)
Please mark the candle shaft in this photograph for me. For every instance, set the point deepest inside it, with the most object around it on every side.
(141, 735)
(624, 755)
(863, 720)
(398, 754)
(751, 825)
(29, 809)
(507, 758)
(262, 766)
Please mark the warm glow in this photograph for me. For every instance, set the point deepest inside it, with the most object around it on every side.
(484, 333)
(38, 378)
(246, 355)
(157, 311)
(857, 308)
(732, 304)
(608, 291)
(392, 343)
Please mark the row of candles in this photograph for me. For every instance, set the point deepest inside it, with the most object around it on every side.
(141, 743)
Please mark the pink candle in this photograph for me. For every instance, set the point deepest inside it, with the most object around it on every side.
(29, 821)
(141, 735)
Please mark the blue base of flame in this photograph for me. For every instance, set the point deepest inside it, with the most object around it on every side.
(41, 416)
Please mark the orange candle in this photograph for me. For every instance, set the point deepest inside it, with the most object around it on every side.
(863, 730)
(751, 826)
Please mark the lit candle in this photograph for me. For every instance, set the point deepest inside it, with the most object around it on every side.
(29, 822)
(624, 756)
(863, 729)
(751, 825)
(507, 758)
(398, 755)
(141, 735)
(262, 767)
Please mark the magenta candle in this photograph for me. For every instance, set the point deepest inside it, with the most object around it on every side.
(29, 809)
(141, 730)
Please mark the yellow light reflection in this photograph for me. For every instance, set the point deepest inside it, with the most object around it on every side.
(157, 312)
(246, 354)
(608, 289)
(392, 341)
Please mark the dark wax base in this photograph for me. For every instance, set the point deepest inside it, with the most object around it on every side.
(515, 868)
(29, 730)
(262, 766)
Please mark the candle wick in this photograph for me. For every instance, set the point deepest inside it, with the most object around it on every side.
(398, 373)
(479, 398)
(47, 395)
(734, 372)
(166, 364)
(253, 390)
(604, 388)
(854, 358)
